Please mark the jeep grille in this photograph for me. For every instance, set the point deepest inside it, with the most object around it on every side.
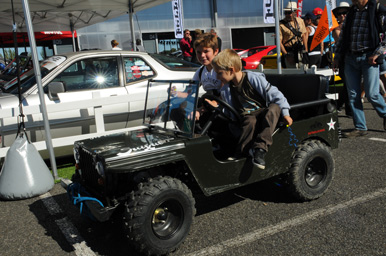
(90, 175)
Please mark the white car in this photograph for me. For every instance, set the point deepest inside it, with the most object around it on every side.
(80, 76)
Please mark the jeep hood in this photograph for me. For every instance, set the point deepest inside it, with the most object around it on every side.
(128, 144)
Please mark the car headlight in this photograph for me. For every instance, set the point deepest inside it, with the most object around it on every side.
(100, 169)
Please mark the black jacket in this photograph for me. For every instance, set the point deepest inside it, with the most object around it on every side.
(374, 26)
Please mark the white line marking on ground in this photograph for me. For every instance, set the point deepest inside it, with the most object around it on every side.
(250, 237)
(69, 231)
(378, 139)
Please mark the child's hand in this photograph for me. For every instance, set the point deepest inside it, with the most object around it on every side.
(196, 116)
(289, 120)
(213, 103)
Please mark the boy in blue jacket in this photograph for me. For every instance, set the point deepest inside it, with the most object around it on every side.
(259, 104)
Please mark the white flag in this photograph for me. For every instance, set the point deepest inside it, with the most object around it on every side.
(268, 11)
(177, 16)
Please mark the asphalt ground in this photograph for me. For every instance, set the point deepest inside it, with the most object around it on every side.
(260, 219)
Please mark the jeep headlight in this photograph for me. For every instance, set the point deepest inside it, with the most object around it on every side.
(100, 169)
(76, 155)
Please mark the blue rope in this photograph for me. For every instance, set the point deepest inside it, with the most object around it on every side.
(292, 139)
(74, 191)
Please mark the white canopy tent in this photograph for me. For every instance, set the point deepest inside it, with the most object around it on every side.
(40, 15)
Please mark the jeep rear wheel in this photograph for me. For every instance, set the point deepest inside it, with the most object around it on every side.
(158, 215)
(311, 170)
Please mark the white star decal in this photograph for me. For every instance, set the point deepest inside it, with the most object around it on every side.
(331, 125)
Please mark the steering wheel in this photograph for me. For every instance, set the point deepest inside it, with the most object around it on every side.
(235, 118)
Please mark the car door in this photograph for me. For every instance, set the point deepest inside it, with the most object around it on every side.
(84, 80)
(137, 73)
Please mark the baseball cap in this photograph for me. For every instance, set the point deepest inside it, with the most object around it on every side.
(317, 11)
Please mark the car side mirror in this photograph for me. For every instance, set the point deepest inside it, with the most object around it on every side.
(54, 88)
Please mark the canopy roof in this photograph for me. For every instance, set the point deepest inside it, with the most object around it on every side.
(56, 15)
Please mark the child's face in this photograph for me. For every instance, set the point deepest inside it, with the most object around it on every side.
(205, 55)
(225, 76)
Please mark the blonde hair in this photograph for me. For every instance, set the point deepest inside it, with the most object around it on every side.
(227, 59)
(206, 40)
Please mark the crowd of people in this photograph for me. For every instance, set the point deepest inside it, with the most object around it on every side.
(359, 48)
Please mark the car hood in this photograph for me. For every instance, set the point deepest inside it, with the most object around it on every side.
(8, 100)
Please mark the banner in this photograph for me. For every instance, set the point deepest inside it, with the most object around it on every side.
(300, 8)
(268, 11)
(323, 29)
(178, 18)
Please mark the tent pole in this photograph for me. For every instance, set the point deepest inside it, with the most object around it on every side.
(131, 12)
(35, 61)
(277, 32)
(72, 35)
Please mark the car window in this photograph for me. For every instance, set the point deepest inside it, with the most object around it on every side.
(271, 52)
(28, 78)
(174, 63)
(254, 51)
(90, 73)
(137, 69)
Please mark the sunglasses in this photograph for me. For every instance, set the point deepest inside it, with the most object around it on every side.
(288, 12)
(342, 13)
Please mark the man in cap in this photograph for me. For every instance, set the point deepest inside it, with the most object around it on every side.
(293, 36)
(316, 54)
(360, 47)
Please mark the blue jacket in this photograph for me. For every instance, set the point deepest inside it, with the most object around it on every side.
(268, 92)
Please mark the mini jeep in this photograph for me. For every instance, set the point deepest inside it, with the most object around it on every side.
(154, 172)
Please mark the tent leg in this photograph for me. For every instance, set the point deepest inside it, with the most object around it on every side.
(38, 75)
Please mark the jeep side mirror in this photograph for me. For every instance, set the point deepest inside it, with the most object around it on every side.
(54, 88)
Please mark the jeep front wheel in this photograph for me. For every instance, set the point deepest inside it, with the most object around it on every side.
(311, 170)
(158, 215)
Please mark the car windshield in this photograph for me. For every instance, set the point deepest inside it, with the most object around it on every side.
(174, 63)
(28, 79)
(170, 105)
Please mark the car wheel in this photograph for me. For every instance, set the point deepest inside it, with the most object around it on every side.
(158, 215)
(311, 170)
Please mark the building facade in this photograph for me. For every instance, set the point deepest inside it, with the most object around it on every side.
(239, 23)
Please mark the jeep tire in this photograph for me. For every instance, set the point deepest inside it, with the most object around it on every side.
(311, 170)
(158, 215)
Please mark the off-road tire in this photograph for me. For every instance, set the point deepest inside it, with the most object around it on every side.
(158, 215)
(311, 170)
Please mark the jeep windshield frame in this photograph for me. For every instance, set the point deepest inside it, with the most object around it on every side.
(170, 106)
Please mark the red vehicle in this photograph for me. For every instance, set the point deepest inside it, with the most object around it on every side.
(251, 58)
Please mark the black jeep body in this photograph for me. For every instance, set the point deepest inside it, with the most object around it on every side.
(155, 171)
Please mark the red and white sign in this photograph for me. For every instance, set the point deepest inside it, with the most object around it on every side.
(300, 8)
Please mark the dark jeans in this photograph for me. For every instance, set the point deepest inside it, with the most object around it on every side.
(257, 129)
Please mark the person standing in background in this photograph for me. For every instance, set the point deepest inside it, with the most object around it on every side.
(186, 46)
(139, 46)
(340, 13)
(359, 46)
(316, 54)
(219, 41)
(197, 33)
(114, 45)
(293, 37)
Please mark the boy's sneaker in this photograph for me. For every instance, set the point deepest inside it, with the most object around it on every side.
(258, 156)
